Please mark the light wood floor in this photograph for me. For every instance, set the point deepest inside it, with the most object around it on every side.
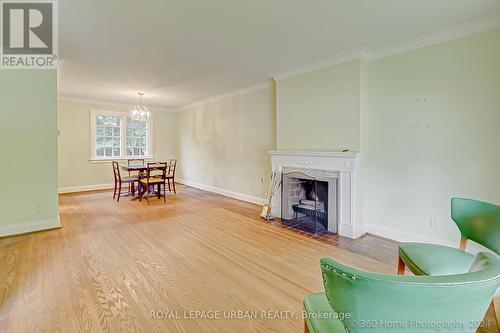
(112, 264)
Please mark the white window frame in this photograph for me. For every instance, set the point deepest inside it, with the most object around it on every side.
(123, 136)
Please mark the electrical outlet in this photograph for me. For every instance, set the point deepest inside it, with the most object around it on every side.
(434, 222)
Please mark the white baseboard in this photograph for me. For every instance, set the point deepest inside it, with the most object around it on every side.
(405, 236)
(73, 189)
(227, 193)
(25, 227)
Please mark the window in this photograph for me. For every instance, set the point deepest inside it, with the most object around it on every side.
(108, 134)
(114, 135)
(137, 138)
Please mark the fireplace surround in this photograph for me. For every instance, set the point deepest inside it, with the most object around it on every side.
(340, 170)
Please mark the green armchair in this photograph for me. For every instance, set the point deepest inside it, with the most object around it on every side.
(356, 301)
(477, 221)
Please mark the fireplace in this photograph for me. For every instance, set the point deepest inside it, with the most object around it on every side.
(309, 201)
(338, 172)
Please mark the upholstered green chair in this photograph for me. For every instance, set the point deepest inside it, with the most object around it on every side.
(356, 301)
(477, 221)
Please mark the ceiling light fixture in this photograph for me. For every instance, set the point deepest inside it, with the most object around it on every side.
(141, 112)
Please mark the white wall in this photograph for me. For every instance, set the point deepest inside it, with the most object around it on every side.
(418, 153)
(223, 143)
(320, 110)
(76, 172)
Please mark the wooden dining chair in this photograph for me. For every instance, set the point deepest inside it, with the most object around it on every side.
(119, 181)
(172, 165)
(135, 162)
(156, 175)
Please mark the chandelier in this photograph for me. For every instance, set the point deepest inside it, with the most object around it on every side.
(140, 113)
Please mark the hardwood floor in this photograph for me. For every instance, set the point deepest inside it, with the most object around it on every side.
(113, 264)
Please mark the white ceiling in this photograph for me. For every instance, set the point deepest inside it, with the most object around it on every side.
(182, 51)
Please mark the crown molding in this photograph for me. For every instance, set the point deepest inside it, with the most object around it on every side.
(437, 37)
(367, 54)
(335, 60)
(215, 98)
(98, 102)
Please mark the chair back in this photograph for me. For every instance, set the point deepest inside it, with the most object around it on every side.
(172, 165)
(116, 171)
(157, 169)
(379, 303)
(135, 161)
(478, 221)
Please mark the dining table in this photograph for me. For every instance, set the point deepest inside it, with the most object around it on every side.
(139, 168)
(134, 168)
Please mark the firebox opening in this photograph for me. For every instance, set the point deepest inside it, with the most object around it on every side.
(306, 203)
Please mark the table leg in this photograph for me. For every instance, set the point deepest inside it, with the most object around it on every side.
(139, 192)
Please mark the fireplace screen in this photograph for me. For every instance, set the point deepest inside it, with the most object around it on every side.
(305, 203)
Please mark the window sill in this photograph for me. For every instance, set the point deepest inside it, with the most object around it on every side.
(119, 159)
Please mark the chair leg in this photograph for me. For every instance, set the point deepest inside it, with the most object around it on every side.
(306, 328)
(173, 184)
(114, 192)
(164, 192)
(147, 194)
(496, 309)
(401, 266)
(168, 183)
(119, 191)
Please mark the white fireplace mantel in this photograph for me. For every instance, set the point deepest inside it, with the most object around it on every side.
(348, 167)
(349, 154)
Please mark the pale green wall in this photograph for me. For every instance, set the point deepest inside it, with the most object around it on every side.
(224, 143)
(417, 155)
(75, 169)
(28, 144)
(320, 110)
